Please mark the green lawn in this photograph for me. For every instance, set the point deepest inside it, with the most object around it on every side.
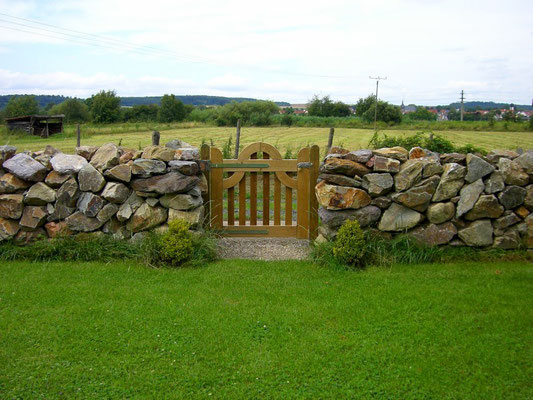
(249, 329)
(139, 136)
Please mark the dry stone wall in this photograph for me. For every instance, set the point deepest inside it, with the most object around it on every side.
(440, 199)
(110, 189)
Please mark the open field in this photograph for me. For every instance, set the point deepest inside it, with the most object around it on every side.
(139, 135)
(249, 329)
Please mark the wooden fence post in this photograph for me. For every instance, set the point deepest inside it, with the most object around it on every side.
(238, 139)
(314, 158)
(155, 138)
(216, 189)
(302, 194)
(78, 136)
(330, 139)
(204, 155)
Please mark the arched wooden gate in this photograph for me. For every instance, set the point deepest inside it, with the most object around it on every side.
(289, 210)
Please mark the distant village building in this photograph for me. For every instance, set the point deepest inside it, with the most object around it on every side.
(38, 125)
(299, 109)
(407, 109)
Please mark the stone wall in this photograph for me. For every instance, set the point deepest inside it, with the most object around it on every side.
(440, 199)
(109, 189)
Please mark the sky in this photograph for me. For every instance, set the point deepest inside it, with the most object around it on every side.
(429, 50)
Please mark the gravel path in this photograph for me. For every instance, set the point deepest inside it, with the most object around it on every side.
(264, 249)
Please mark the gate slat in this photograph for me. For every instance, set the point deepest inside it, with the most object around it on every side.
(231, 206)
(288, 205)
(242, 201)
(277, 201)
(217, 178)
(253, 195)
(266, 195)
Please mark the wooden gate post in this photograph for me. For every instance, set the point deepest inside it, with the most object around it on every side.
(302, 194)
(313, 202)
(204, 155)
(216, 189)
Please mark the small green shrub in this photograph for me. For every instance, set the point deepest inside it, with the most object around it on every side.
(349, 247)
(175, 245)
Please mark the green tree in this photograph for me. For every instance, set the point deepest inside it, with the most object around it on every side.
(422, 114)
(21, 105)
(325, 107)
(75, 111)
(104, 107)
(365, 108)
(171, 109)
(141, 113)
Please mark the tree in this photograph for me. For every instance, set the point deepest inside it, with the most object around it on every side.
(104, 107)
(324, 107)
(422, 114)
(141, 113)
(171, 109)
(21, 105)
(75, 111)
(365, 108)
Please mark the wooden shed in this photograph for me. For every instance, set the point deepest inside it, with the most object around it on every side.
(39, 125)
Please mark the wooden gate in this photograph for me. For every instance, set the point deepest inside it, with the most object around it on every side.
(290, 211)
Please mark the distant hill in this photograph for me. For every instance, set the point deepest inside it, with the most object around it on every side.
(195, 100)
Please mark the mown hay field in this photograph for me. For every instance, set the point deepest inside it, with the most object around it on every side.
(284, 138)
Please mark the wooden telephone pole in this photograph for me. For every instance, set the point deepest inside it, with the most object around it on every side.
(378, 78)
(462, 103)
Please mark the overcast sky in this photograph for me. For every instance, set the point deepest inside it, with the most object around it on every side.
(279, 50)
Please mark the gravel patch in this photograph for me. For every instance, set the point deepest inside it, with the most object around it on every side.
(264, 249)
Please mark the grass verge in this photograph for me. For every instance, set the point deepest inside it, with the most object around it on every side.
(248, 329)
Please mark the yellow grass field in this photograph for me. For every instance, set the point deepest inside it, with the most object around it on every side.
(139, 135)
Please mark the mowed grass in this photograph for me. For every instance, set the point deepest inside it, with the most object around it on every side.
(139, 135)
(249, 329)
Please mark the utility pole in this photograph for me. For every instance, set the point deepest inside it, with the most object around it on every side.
(462, 103)
(378, 78)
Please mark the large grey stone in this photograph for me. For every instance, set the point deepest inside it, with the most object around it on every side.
(341, 180)
(418, 197)
(377, 184)
(478, 233)
(33, 217)
(158, 153)
(90, 204)
(6, 152)
(508, 219)
(508, 241)
(120, 173)
(8, 228)
(68, 193)
(398, 218)
(183, 202)
(26, 168)
(494, 183)
(115, 192)
(9, 183)
(528, 200)
(107, 156)
(341, 197)
(39, 195)
(476, 168)
(67, 163)
(145, 168)
(131, 205)
(512, 197)
(11, 206)
(147, 217)
(409, 175)
(526, 161)
(366, 216)
(397, 153)
(512, 172)
(185, 167)
(54, 179)
(173, 182)
(469, 195)
(384, 164)
(360, 156)
(438, 213)
(107, 211)
(90, 179)
(343, 167)
(451, 182)
(435, 235)
(495, 155)
(195, 217)
(86, 152)
(79, 222)
(487, 206)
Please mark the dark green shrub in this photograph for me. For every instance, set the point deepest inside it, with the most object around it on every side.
(349, 246)
(175, 246)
